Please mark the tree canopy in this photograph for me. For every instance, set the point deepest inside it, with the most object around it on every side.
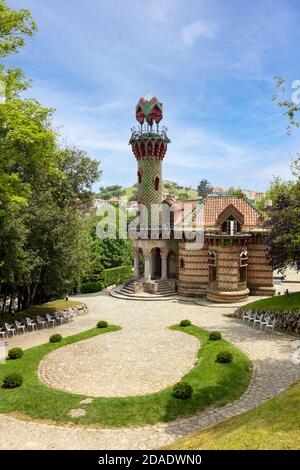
(204, 188)
(44, 188)
(235, 192)
(283, 216)
(15, 27)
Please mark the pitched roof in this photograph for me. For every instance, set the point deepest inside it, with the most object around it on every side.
(214, 206)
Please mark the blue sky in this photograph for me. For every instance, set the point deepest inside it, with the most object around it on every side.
(211, 62)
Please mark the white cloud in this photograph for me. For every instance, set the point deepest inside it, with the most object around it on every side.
(192, 31)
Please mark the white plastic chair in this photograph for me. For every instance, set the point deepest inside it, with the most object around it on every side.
(67, 317)
(20, 327)
(59, 318)
(264, 322)
(2, 333)
(270, 326)
(30, 324)
(50, 320)
(252, 318)
(10, 329)
(71, 313)
(258, 320)
(246, 316)
(41, 322)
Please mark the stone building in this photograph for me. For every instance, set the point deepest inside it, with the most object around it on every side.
(226, 266)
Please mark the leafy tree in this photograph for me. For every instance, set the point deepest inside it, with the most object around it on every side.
(44, 244)
(235, 192)
(134, 196)
(277, 186)
(204, 188)
(15, 26)
(106, 253)
(283, 224)
(108, 192)
(283, 221)
(291, 108)
(183, 195)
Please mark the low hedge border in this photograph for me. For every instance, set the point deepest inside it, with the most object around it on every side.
(110, 277)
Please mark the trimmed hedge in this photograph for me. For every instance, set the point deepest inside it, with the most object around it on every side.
(91, 287)
(12, 381)
(182, 391)
(117, 275)
(56, 338)
(185, 323)
(15, 353)
(224, 357)
(215, 336)
(102, 324)
(110, 276)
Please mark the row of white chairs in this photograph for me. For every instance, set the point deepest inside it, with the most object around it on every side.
(39, 323)
(262, 320)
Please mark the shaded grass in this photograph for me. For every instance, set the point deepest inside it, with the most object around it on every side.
(34, 310)
(213, 383)
(279, 303)
(273, 425)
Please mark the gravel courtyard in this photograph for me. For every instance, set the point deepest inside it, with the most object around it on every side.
(142, 358)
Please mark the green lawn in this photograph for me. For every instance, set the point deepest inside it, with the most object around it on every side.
(282, 303)
(34, 310)
(273, 425)
(213, 383)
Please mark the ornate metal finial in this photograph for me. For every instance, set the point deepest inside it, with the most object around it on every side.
(149, 110)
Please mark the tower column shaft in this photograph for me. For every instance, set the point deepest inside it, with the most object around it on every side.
(164, 270)
(136, 266)
(148, 267)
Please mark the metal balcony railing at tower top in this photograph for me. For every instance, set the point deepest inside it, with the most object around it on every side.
(149, 132)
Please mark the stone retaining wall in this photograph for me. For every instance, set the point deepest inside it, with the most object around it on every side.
(288, 321)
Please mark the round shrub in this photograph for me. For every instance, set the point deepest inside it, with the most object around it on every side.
(56, 338)
(215, 336)
(102, 324)
(12, 381)
(182, 391)
(15, 353)
(224, 357)
(185, 323)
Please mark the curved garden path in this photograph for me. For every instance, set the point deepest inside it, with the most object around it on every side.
(271, 355)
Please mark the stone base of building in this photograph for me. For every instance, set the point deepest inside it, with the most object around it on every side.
(191, 290)
(263, 291)
(227, 297)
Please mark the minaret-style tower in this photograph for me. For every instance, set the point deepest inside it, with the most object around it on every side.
(149, 145)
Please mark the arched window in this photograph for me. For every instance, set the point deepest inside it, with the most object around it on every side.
(243, 266)
(156, 183)
(231, 226)
(212, 266)
(139, 173)
(182, 263)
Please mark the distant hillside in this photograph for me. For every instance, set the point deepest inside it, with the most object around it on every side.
(169, 187)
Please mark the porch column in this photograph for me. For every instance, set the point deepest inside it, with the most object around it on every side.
(148, 266)
(164, 267)
(136, 264)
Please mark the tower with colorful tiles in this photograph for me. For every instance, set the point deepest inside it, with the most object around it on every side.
(149, 144)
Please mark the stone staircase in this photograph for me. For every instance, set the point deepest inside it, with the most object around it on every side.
(166, 291)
